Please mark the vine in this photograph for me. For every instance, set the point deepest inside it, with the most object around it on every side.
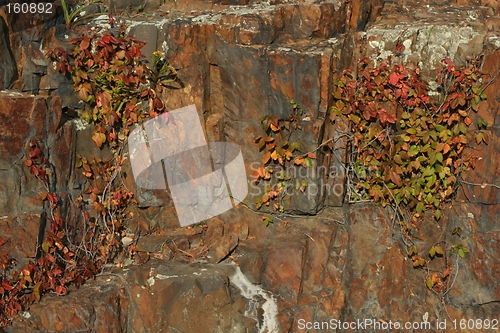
(119, 89)
(409, 148)
(282, 154)
(110, 75)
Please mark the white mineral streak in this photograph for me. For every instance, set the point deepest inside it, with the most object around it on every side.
(252, 292)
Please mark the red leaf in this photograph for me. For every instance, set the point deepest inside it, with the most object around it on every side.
(394, 78)
(446, 272)
(6, 285)
(52, 197)
(35, 152)
(34, 170)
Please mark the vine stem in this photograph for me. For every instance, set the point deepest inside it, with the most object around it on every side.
(483, 185)
(454, 278)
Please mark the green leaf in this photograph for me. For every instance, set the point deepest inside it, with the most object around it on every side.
(432, 155)
(420, 207)
(439, 128)
(294, 146)
(461, 252)
(479, 137)
(411, 130)
(413, 250)
(437, 214)
(267, 220)
(439, 157)
(398, 159)
(426, 136)
(414, 150)
(428, 171)
(45, 247)
(355, 119)
(462, 128)
(429, 283)
(36, 291)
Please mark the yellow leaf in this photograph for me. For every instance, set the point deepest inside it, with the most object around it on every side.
(274, 155)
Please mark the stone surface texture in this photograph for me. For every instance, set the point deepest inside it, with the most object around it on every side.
(240, 60)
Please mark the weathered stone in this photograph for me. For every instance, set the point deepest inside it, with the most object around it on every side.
(8, 72)
(122, 302)
(316, 258)
(28, 117)
(283, 272)
(251, 261)
(148, 34)
(34, 67)
(19, 235)
(63, 155)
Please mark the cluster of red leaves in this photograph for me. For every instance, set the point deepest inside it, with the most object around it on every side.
(111, 76)
(105, 202)
(69, 254)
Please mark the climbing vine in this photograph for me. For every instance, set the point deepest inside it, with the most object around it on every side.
(410, 145)
(281, 154)
(119, 88)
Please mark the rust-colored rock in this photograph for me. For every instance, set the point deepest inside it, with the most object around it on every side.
(19, 234)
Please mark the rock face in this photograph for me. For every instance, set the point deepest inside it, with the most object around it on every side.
(240, 60)
(7, 62)
(154, 297)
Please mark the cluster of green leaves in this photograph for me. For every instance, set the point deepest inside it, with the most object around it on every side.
(409, 148)
(281, 153)
(112, 78)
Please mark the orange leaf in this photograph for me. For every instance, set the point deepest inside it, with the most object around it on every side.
(84, 44)
(298, 161)
(266, 157)
(259, 173)
(446, 148)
